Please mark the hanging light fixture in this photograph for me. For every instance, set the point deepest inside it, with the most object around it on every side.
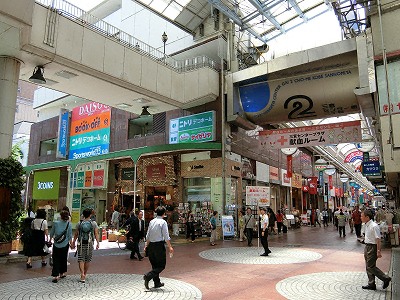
(37, 76)
(344, 178)
(145, 112)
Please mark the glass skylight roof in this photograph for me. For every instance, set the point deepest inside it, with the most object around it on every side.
(264, 18)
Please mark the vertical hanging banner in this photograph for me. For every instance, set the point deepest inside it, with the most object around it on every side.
(289, 160)
(321, 180)
(330, 182)
(313, 185)
(90, 130)
(63, 132)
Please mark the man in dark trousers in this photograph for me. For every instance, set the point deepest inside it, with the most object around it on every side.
(356, 216)
(263, 227)
(134, 234)
(372, 252)
(157, 236)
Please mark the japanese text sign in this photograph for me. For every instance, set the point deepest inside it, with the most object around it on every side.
(371, 168)
(258, 195)
(193, 129)
(328, 134)
(90, 130)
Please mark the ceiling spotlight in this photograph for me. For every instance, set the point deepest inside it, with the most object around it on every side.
(145, 112)
(37, 76)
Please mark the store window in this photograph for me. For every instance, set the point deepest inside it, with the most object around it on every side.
(139, 127)
(197, 201)
(48, 147)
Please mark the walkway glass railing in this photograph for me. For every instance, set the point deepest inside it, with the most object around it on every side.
(80, 16)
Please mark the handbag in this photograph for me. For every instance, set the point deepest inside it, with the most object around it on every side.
(46, 249)
(61, 238)
(130, 244)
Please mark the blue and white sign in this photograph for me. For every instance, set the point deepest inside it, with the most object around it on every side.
(371, 168)
(63, 134)
(228, 226)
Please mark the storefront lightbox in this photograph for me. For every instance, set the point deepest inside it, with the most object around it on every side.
(46, 185)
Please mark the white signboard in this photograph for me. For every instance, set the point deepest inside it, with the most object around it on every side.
(262, 172)
(258, 195)
(285, 180)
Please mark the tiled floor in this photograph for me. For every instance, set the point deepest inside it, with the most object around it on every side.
(306, 263)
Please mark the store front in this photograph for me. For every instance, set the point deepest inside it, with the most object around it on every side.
(46, 191)
(203, 190)
(88, 185)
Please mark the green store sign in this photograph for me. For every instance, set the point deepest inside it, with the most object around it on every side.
(46, 185)
(196, 128)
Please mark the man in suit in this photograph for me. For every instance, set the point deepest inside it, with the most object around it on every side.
(134, 234)
(141, 225)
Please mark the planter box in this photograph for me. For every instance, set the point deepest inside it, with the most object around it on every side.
(112, 237)
(5, 248)
(15, 246)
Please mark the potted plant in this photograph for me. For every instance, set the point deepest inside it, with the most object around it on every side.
(11, 184)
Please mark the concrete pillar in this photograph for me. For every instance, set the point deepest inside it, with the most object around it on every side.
(9, 75)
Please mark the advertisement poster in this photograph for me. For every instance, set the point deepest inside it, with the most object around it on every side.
(258, 196)
(195, 128)
(228, 226)
(90, 130)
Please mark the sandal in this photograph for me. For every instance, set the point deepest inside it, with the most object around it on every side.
(63, 276)
(28, 265)
(44, 263)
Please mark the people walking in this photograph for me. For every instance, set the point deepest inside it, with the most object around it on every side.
(249, 225)
(279, 220)
(39, 236)
(85, 233)
(372, 251)
(213, 222)
(115, 218)
(356, 217)
(61, 232)
(157, 236)
(271, 221)
(263, 227)
(325, 218)
(241, 222)
(133, 233)
(342, 220)
(175, 222)
(317, 218)
(190, 231)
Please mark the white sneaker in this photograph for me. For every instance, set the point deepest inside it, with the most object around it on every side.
(68, 263)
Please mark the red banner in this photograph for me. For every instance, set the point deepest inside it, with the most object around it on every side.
(330, 182)
(289, 160)
(98, 177)
(313, 185)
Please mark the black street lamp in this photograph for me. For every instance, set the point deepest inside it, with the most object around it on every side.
(164, 39)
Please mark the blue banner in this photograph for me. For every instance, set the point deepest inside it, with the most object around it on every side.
(63, 133)
(89, 152)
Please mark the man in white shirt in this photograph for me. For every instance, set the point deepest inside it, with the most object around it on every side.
(264, 231)
(156, 238)
(372, 251)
